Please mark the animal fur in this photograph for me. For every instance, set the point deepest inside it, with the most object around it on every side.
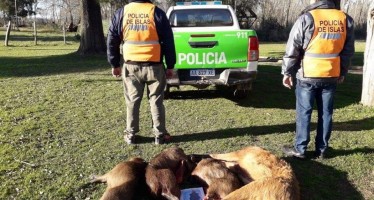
(165, 171)
(162, 183)
(218, 179)
(123, 179)
(273, 178)
(174, 159)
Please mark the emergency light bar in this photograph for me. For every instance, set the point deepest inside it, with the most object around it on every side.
(199, 3)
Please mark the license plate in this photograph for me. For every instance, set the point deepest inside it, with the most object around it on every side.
(202, 72)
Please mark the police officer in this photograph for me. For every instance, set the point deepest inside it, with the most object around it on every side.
(147, 38)
(318, 51)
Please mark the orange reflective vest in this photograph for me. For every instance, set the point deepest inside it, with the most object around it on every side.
(321, 59)
(141, 42)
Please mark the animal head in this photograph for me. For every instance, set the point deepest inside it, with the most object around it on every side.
(176, 160)
(216, 177)
(169, 158)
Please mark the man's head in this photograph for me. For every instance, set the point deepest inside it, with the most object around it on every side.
(336, 2)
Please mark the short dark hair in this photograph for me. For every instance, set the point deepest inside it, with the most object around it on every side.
(336, 2)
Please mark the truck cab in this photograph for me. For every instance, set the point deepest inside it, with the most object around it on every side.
(211, 48)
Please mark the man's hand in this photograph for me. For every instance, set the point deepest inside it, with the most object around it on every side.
(116, 71)
(169, 73)
(287, 81)
(341, 79)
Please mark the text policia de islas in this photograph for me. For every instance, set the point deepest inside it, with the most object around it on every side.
(331, 26)
(138, 18)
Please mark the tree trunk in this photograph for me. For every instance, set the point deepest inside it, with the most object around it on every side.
(7, 34)
(35, 34)
(287, 13)
(64, 33)
(92, 35)
(367, 97)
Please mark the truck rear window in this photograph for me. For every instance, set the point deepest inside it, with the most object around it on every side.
(200, 18)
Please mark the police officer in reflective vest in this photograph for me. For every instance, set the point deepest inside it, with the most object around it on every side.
(318, 53)
(147, 39)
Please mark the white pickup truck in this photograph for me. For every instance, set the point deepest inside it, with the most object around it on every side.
(211, 48)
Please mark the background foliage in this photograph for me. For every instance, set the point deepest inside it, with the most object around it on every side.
(274, 17)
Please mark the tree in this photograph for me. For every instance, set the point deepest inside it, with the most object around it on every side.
(109, 7)
(367, 96)
(24, 7)
(92, 34)
(115, 3)
(165, 4)
(69, 7)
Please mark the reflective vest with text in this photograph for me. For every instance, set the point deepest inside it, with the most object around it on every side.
(141, 42)
(321, 59)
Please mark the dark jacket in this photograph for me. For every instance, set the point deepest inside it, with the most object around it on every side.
(164, 32)
(298, 41)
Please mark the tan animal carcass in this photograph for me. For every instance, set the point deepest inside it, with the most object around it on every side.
(123, 180)
(271, 177)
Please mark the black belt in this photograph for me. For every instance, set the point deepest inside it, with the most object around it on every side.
(143, 64)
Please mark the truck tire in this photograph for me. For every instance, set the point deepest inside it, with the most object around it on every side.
(242, 91)
(241, 94)
(167, 92)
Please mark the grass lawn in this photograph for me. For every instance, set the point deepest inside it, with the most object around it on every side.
(62, 117)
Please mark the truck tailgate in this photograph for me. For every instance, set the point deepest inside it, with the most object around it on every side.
(218, 49)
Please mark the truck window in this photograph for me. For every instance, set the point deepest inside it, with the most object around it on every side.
(201, 18)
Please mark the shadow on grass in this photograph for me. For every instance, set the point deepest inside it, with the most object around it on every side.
(335, 152)
(358, 59)
(268, 91)
(197, 94)
(354, 125)
(318, 181)
(50, 65)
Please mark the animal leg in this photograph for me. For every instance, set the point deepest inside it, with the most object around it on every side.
(98, 179)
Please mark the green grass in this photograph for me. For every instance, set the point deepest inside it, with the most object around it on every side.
(62, 117)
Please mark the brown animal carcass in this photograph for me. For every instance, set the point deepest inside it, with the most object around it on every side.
(218, 180)
(123, 180)
(165, 171)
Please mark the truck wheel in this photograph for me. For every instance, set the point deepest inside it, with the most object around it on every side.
(242, 91)
(167, 92)
(241, 94)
